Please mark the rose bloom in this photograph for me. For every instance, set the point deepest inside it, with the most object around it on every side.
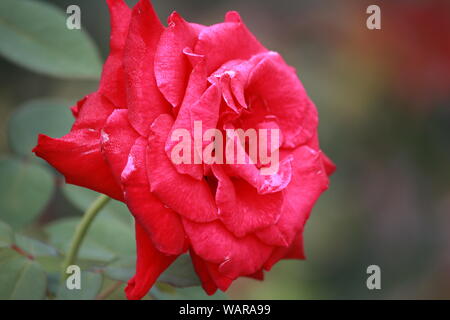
(232, 220)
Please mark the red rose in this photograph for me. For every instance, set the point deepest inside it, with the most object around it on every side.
(234, 220)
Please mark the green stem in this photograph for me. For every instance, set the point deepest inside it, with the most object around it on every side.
(81, 230)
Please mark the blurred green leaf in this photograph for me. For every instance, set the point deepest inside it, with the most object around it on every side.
(122, 269)
(47, 116)
(181, 273)
(20, 277)
(107, 239)
(6, 235)
(34, 247)
(34, 35)
(25, 189)
(91, 283)
(82, 198)
(60, 234)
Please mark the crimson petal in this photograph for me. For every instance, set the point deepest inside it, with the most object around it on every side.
(150, 264)
(187, 196)
(309, 180)
(78, 157)
(172, 68)
(235, 256)
(227, 41)
(162, 224)
(112, 83)
(241, 208)
(145, 102)
(117, 138)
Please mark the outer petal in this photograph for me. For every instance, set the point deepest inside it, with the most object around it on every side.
(241, 208)
(258, 275)
(235, 256)
(187, 196)
(77, 107)
(330, 167)
(209, 274)
(92, 112)
(78, 155)
(149, 265)
(145, 102)
(201, 269)
(172, 68)
(112, 83)
(162, 224)
(282, 95)
(294, 251)
(227, 41)
(308, 182)
(221, 280)
(118, 136)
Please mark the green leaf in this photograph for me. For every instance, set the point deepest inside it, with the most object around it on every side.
(82, 198)
(107, 239)
(34, 35)
(60, 235)
(122, 269)
(25, 189)
(91, 283)
(6, 235)
(20, 277)
(47, 116)
(34, 247)
(181, 273)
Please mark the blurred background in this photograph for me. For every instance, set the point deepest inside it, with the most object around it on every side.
(384, 104)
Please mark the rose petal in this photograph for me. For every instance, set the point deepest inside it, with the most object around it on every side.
(112, 83)
(282, 95)
(78, 157)
(145, 102)
(172, 68)
(182, 193)
(329, 166)
(201, 269)
(235, 256)
(241, 208)
(294, 251)
(258, 275)
(150, 264)
(309, 180)
(227, 41)
(209, 275)
(248, 169)
(117, 138)
(92, 112)
(206, 112)
(197, 83)
(77, 107)
(162, 224)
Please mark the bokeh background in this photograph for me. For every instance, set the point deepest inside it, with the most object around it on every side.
(384, 103)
